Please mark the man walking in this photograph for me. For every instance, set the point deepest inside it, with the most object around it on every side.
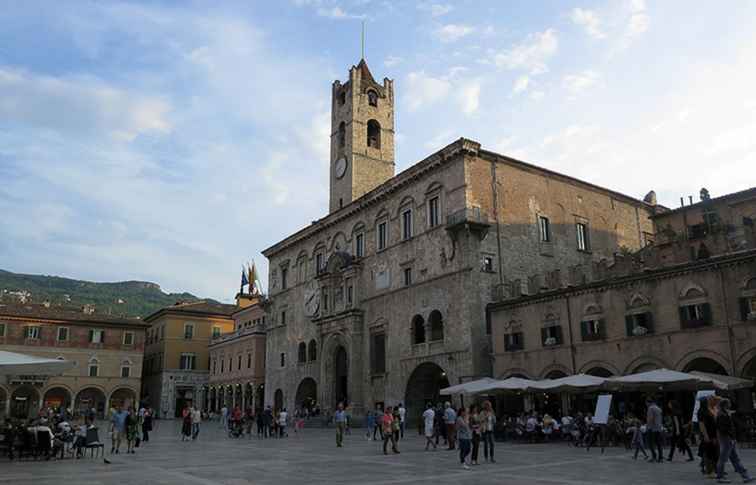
(402, 415)
(196, 420)
(429, 416)
(118, 428)
(727, 449)
(654, 426)
(224, 417)
(340, 419)
(387, 425)
(450, 418)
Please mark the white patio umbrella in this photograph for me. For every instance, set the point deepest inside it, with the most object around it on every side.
(470, 387)
(512, 384)
(663, 379)
(725, 383)
(12, 363)
(577, 382)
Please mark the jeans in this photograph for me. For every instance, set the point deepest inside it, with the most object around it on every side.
(728, 451)
(655, 443)
(195, 430)
(401, 429)
(475, 447)
(640, 447)
(464, 450)
(450, 435)
(386, 438)
(340, 433)
(488, 445)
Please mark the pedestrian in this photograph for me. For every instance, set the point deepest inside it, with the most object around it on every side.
(677, 440)
(387, 425)
(196, 420)
(654, 426)
(474, 422)
(378, 420)
(429, 417)
(402, 415)
(727, 446)
(132, 431)
(708, 449)
(146, 424)
(282, 417)
(370, 419)
(450, 419)
(224, 417)
(439, 424)
(267, 421)
(464, 436)
(340, 420)
(637, 441)
(118, 429)
(488, 424)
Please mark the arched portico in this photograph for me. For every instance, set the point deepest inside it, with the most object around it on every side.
(423, 387)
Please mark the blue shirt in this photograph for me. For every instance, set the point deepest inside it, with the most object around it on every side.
(450, 416)
(371, 420)
(340, 417)
(119, 420)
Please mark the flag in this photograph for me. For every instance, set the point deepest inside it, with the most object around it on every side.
(252, 278)
(244, 280)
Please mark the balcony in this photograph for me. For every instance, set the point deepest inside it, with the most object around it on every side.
(470, 219)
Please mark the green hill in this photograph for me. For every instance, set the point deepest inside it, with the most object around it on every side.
(127, 298)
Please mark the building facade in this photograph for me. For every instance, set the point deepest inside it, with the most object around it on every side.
(176, 361)
(686, 302)
(237, 361)
(391, 286)
(107, 352)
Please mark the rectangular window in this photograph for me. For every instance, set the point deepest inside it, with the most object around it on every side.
(249, 361)
(223, 366)
(284, 278)
(583, 244)
(639, 324)
(382, 235)
(283, 359)
(350, 294)
(96, 336)
(592, 330)
(513, 341)
(128, 338)
(407, 224)
(125, 371)
(433, 212)
(488, 265)
(188, 331)
(94, 370)
(407, 276)
(238, 362)
(188, 362)
(319, 264)
(2, 330)
(551, 336)
(359, 245)
(216, 332)
(283, 317)
(697, 315)
(62, 334)
(378, 354)
(543, 229)
(32, 332)
(215, 366)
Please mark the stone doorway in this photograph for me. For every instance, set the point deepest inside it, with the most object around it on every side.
(341, 376)
(307, 394)
(423, 387)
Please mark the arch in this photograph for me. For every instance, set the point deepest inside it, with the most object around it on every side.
(341, 137)
(372, 97)
(748, 370)
(302, 353)
(123, 397)
(424, 386)
(433, 187)
(692, 291)
(705, 364)
(341, 375)
(553, 369)
(407, 202)
(599, 372)
(278, 400)
(687, 362)
(90, 398)
(638, 300)
(749, 284)
(599, 364)
(312, 351)
(515, 372)
(57, 396)
(24, 402)
(592, 309)
(307, 394)
(373, 134)
(418, 329)
(338, 243)
(328, 383)
(555, 374)
(436, 324)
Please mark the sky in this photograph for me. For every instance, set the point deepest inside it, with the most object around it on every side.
(174, 141)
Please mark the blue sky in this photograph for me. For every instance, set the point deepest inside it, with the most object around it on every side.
(173, 141)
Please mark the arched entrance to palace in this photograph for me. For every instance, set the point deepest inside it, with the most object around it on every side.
(704, 364)
(123, 398)
(25, 402)
(599, 372)
(57, 398)
(341, 376)
(423, 387)
(90, 398)
(278, 400)
(307, 394)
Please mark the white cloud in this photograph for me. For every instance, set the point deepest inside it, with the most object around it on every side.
(638, 22)
(579, 82)
(469, 97)
(392, 61)
(530, 55)
(337, 13)
(424, 90)
(436, 9)
(453, 32)
(589, 21)
(520, 84)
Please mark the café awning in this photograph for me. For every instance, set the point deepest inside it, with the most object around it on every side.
(577, 382)
(12, 363)
(725, 383)
(470, 387)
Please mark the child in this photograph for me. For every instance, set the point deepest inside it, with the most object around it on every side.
(637, 442)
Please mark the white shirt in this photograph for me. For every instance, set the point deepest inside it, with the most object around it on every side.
(282, 418)
(196, 416)
(402, 412)
(429, 416)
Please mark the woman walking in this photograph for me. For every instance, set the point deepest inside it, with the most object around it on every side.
(146, 424)
(488, 423)
(464, 436)
(708, 450)
(677, 440)
(132, 431)
(474, 421)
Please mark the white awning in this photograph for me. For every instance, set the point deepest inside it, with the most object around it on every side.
(577, 382)
(660, 379)
(12, 363)
(470, 387)
(725, 383)
(513, 384)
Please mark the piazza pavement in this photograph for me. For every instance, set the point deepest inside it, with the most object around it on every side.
(312, 457)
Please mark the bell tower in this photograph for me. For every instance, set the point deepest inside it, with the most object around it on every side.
(362, 135)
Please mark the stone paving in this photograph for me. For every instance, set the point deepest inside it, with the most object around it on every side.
(312, 457)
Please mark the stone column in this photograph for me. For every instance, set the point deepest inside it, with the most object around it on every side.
(244, 397)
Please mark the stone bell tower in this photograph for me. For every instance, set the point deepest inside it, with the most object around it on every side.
(362, 135)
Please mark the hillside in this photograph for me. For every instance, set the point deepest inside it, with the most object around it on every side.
(127, 298)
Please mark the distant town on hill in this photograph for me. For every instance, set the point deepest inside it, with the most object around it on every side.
(126, 298)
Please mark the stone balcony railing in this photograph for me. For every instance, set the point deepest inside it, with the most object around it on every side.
(224, 337)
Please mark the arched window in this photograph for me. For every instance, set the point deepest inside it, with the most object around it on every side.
(418, 330)
(342, 97)
(342, 134)
(695, 310)
(372, 98)
(373, 134)
(313, 350)
(748, 300)
(302, 354)
(436, 325)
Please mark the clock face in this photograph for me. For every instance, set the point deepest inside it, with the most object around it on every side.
(341, 166)
(312, 300)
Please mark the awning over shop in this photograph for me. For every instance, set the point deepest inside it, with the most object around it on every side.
(577, 382)
(725, 383)
(12, 363)
(470, 387)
